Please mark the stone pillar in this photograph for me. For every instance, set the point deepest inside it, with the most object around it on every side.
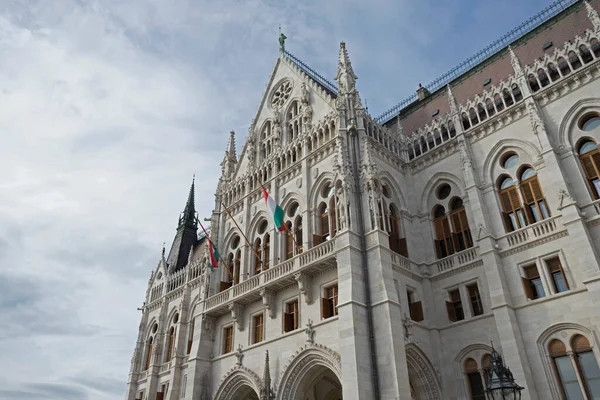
(387, 313)
(199, 359)
(352, 321)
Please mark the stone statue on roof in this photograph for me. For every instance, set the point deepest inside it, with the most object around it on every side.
(282, 38)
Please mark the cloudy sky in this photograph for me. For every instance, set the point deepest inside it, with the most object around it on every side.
(108, 107)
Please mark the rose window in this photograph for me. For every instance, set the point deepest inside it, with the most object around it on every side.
(282, 93)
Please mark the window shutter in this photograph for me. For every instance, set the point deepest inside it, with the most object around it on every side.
(326, 310)
(591, 165)
(555, 265)
(289, 247)
(393, 241)
(317, 240)
(438, 248)
(159, 395)
(536, 188)
(528, 288)
(402, 248)
(514, 199)
(526, 191)
(224, 286)
(505, 201)
(451, 311)
(324, 224)
(507, 222)
(416, 311)
(333, 219)
(288, 322)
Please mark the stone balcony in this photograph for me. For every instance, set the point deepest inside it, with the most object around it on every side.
(275, 278)
(532, 235)
(591, 213)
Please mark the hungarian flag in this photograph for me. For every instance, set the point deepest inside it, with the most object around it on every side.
(275, 210)
(214, 254)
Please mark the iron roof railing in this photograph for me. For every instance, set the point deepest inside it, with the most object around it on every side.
(543, 16)
(312, 73)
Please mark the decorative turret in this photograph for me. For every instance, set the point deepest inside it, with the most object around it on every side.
(187, 234)
(345, 76)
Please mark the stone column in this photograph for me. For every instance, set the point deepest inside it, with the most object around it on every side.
(199, 360)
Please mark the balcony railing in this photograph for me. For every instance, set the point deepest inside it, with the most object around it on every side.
(457, 259)
(532, 232)
(592, 209)
(274, 276)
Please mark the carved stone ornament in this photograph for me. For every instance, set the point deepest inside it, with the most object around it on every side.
(237, 314)
(239, 354)
(592, 15)
(299, 183)
(564, 198)
(304, 286)
(407, 324)
(452, 101)
(268, 298)
(482, 232)
(310, 332)
(281, 94)
(514, 61)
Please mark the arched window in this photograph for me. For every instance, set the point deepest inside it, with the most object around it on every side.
(224, 285)
(586, 56)
(476, 388)
(258, 256)
(324, 218)
(238, 266)
(553, 72)
(266, 251)
(533, 198)
(397, 243)
(508, 100)
(498, 102)
(595, 47)
(574, 60)
(486, 366)
(148, 352)
(512, 211)
(533, 83)
(589, 156)
(490, 107)
(443, 237)
(298, 233)
(581, 367)
(460, 225)
(332, 216)
(190, 336)
(289, 244)
(563, 66)
(171, 343)
(516, 91)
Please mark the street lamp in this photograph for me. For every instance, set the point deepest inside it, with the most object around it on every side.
(501, 384)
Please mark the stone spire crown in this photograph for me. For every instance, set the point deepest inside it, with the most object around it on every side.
(592, 15)
(345, 77)
(514, 60)
(186, 236)
(452, 100)
(230, 152)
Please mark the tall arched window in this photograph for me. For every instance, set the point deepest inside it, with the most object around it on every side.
(486, 366)
(512, 210)
(148, 352)
(229, 274)
(289, 243)
(298, 233)
(397, 243)
(531, 190)
(258, 256)
(443, 237)
(589, 156)
(324, 222)
(333, 223)
(171, 343)
(476, 388)
(237, 266)
(190, 336)
(460, 225)
(266, 251)
(578, 373)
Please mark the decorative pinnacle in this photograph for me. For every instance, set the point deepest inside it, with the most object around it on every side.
(514, 60)
(231, 154)
(188, 218)
(345, 77)
(592, 15)
(267, 372)
(452, 100)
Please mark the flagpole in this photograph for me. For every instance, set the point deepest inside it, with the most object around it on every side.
(220, 257)
(242, 232)
(298, 248)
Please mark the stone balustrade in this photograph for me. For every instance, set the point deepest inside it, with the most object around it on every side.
(531, 232)
(457, 259)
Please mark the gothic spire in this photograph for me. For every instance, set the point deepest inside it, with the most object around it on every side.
(514, 60)
(452, 100)
(345, 77)
(188, 218)
(231, 154)
(266, 393)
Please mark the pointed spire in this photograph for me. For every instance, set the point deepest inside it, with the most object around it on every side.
(514, 60)
(345, 77)
(188, 218)
(399, 127)
(231, 154)
(592, 15)
(452, 101)
(266, 393)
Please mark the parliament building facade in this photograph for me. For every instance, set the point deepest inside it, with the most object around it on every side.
(460, 227)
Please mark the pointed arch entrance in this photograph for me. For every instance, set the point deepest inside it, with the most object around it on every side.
(239, 383)
(313, 373)
(424, 382)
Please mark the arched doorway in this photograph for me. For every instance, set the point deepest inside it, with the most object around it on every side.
(319, 383)
(239, 384)
(424, 382)
(313, 373)
(244, 392)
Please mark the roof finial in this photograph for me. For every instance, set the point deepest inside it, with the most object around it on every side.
(163, 250)
(514, 60)
(231, 154)
(282, 38)
(452, 100)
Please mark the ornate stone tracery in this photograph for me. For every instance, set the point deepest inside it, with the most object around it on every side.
(422, 374)
(235, 379)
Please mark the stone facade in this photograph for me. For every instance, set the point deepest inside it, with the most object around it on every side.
(418, 301)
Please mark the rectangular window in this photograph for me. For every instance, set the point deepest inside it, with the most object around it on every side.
(558, 275)
(415, 307)
(258, 328)
(454, 306)
(227, 339)
(290, 316)
(534, 289)
(475, 299)
(591, 373)
(329, 302)
(568, 378)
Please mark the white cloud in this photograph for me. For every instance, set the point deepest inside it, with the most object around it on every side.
(107, 108)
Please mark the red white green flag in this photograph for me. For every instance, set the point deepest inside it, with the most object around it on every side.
(274, 208)
(214, 254)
